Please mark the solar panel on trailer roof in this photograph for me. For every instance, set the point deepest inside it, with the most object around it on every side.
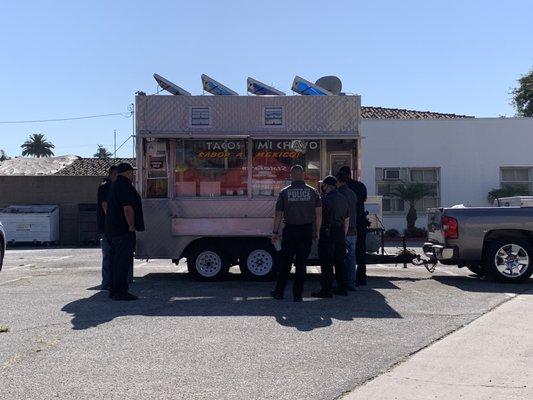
(306, 88)
(261, 89)
(214, 87)
(170, 87)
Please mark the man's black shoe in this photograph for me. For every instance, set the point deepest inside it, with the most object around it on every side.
(361, 282)
(322, 295)
(276, 295)
(341, 292)
(297, 299)
(125, 297)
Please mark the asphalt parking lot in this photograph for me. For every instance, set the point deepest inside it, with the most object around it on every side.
(224, 340)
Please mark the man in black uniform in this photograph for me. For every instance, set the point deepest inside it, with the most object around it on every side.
(101, 209)
(298, 206)
(351, 234)
(332, 240)
(124, 216)
(359, 189)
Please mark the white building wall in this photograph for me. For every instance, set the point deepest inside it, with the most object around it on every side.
(469, 153)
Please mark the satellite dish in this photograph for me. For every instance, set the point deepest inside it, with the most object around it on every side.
(306, 88)
(170, 87)
(216, 88)
(331, 83)
(260, 89)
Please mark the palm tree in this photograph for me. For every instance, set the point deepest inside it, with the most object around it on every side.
(37, 146)
(102, 153)
(411, 193)
(507, 191)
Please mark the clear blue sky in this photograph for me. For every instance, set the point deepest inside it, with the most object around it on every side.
(73, 58)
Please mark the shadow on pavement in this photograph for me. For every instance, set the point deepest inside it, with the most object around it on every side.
(177, 295)
(473, 283)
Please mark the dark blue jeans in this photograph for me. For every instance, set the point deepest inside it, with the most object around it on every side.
(122, 248)
(106, 260)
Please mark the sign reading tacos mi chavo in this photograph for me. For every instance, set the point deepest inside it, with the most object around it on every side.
(284, 148)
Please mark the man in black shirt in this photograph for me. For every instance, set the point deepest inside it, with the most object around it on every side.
(332, 240)
(299, 207)
(359, 189)
(101, 209)
(124, 216)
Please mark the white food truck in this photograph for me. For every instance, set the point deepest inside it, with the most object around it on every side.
(210, 169)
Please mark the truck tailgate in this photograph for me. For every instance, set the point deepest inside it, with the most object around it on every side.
(435, 232)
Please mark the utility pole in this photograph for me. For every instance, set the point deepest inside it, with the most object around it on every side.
(132, 111)
(114, 143)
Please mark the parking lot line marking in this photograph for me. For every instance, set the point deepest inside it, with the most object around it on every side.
(14, 280)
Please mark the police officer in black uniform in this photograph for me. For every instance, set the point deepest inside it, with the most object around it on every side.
(101, 209)
(362, 224)
(124, 216)
(332, 240)
(299, 207)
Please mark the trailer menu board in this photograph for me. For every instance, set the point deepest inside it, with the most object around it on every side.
(210, 168)
(272, 160)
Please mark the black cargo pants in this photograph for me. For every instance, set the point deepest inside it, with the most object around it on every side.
(360, 255)
(332, 252)
(122, 249)
(295, 246)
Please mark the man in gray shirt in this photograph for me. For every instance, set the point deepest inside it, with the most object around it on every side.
(299, 206)
(351, 233)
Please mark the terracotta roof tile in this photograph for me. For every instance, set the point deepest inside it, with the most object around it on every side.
(92, 166)
(400, 113)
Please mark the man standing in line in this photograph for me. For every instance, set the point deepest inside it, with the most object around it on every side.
(124, 216)
(359, 189)
(351, 234)
(299, 207)
(101, 209)
(332, 240)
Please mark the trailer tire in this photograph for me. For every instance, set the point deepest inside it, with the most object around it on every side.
(502, 257)
(208, 263)
(259, 261)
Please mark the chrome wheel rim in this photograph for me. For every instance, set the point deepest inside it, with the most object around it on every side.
(208, 264)
(259, 262)
(511, 260)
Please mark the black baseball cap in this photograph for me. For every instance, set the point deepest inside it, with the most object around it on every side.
(124, 167)
(330, 180)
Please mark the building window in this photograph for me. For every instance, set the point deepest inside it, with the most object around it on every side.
(389, 179)
(273, 159)
(520, 178)
(200, 116)
(273, 116)
(210, 168)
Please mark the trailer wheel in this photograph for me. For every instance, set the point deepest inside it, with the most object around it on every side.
(259, 262)
(509, 260)
(208, 264)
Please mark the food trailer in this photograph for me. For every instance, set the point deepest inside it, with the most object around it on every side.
(210, 169)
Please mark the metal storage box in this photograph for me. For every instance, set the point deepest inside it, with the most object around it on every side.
(515, 201)
(31, 223)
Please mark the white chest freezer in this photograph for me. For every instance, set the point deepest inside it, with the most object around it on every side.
(31, 223)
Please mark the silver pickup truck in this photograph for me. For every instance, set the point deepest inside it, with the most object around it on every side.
(496, 242)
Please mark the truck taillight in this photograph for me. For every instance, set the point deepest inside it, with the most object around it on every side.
(450, 228)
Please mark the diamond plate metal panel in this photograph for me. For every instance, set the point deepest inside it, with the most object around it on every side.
(244, 114)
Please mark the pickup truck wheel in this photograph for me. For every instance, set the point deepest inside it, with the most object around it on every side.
(259, 262)
(509, 260)
(208, 264)
(1, 255)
